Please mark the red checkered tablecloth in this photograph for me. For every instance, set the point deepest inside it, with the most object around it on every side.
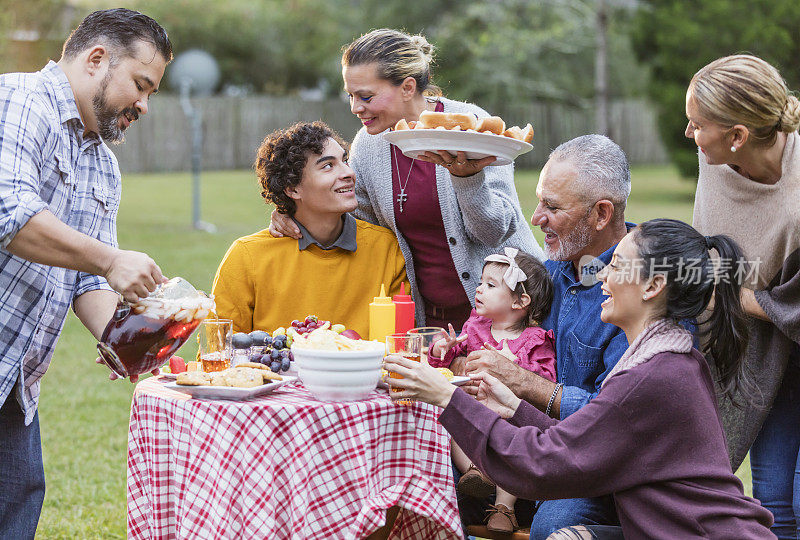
(286, 466)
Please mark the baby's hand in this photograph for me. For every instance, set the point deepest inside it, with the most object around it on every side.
(446, 342)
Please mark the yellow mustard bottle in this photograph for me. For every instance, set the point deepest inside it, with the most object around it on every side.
(381, 316)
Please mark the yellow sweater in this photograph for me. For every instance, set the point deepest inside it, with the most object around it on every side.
(265, 282)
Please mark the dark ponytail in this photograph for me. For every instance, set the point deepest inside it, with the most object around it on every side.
(727, 326)
(676, 250)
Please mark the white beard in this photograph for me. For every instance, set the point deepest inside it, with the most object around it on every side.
(577, 239)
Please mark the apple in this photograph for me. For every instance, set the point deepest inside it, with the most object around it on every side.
(352, 334)
(338, 328)
(177, 364)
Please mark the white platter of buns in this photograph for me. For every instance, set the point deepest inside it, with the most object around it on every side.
(246, 380)
(456, 132)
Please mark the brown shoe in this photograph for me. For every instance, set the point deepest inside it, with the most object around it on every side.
(501, 518)
(475, 484)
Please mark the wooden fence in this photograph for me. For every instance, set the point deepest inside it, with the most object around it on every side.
(234, 127)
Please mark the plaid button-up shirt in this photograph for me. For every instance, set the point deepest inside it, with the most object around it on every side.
(45, 163)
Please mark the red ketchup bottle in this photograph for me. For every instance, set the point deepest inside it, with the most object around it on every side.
(404, 311)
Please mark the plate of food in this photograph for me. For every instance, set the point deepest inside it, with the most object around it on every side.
(238, 383)
(176, 364)
(455, 132)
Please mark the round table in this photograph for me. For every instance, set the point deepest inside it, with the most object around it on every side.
(286, 465)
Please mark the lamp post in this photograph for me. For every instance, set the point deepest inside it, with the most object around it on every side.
(195, 73)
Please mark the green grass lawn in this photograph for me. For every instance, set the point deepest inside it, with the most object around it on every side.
(84, 417)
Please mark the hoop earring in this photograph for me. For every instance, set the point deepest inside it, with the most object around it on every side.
(733, 149)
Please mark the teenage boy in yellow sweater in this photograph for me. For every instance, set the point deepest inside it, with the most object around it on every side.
(339, 264)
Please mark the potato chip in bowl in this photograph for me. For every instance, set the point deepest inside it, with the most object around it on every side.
(336, 368)
(328, 340)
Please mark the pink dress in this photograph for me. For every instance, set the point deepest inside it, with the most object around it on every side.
(535, 348)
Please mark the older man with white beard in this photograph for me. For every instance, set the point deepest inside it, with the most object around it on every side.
(582, 191)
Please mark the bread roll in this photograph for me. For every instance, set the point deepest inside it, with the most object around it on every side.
(401, 124)
(513, 132)
(493, 124)
(527, 134)
(433, 120)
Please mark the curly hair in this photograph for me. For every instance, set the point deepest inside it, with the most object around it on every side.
(282, 156)
(539, 286)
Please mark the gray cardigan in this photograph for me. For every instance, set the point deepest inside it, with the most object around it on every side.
(481, 213)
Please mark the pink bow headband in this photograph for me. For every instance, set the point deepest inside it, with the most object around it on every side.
(513, 273)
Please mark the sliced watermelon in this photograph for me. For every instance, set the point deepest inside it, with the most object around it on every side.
(177, 364)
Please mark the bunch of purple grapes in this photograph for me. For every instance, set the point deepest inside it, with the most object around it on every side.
(265, 349)
(312, 322)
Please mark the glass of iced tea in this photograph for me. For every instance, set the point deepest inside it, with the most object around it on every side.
(429, 335)
(214, 344)
(408, 346)
(142, 336)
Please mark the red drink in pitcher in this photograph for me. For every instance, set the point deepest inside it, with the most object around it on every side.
(143, 336)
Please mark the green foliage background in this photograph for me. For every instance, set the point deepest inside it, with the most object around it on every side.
(678, 37)
(493, 52)
(488, 51)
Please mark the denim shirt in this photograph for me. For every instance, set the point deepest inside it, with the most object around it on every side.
(586, 347)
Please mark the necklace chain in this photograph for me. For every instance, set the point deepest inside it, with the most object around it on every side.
(402, 197)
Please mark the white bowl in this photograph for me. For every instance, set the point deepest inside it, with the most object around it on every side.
(339, 375)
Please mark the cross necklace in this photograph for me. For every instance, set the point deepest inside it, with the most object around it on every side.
(402, 197)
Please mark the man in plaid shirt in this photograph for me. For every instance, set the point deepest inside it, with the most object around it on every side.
(59, 193)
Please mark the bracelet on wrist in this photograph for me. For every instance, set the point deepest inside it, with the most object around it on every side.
(553, 398)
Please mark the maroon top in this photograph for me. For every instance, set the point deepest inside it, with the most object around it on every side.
(421, 225)
(535, 348)
(652, 437)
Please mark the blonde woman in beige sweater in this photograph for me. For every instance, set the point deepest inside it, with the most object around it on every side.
(744, 122)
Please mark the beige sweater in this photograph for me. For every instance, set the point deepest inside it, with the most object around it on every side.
(765, 221)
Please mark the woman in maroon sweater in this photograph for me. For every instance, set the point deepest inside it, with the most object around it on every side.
(652, 437)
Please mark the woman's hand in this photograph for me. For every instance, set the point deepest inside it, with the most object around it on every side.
(495, 395)
(420, 381)
(749, 304)
(282, 225)
(458, 165)
(446, 342)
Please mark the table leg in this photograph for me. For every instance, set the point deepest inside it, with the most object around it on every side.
(383, 532)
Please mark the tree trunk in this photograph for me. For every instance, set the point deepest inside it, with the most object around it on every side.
(601, 69)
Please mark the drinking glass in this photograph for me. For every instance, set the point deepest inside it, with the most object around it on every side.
(429, 335)
(215, 348)
(408, 346)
